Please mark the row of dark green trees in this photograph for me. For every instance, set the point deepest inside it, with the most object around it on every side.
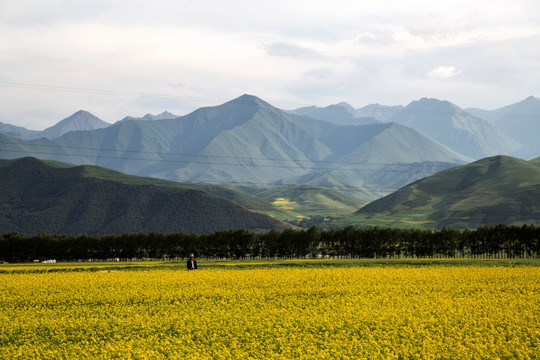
(499, 241)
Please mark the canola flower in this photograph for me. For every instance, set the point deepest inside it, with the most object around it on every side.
(273, 313)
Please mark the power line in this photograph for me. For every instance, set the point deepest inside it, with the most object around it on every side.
(212, 163)
(221, 156)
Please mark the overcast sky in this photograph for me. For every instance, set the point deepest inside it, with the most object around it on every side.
(132, 57)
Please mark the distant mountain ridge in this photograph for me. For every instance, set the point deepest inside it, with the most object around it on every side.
(339, 114)
(18, 132)
(520, 120)
(59, 198)
(80, 121)
(380, 112)
(455, 128)
(163, 116)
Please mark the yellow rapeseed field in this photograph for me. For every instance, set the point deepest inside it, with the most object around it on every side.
(468, 312)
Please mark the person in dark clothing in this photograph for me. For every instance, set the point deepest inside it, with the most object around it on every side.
(192, 263)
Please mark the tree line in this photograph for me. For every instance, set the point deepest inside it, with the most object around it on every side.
(499, 241)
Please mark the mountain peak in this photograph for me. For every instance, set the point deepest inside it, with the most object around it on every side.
(344, 105)
(531, 99)
(433, 104)
(82, 113)
(248, 99)
(80, 120)
(163, 116)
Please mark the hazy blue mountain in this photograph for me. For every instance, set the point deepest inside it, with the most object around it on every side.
(11, 148)
(58, 198)
(80, 121)
(339, 114)
(163, 116)
(520, 120)
(247, 140)
(18, 132)
(382, 158)
(455, 128)
(380, 112)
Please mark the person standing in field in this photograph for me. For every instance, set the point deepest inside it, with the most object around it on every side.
(192, 263)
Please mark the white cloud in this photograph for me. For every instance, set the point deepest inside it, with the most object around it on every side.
(291, 50)
(443, 72)
(383, 37)
(301, 52)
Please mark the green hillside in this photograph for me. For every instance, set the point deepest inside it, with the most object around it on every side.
(307, 200)
(237, 197)
(490, 191)
(535, 161)
(51, 197)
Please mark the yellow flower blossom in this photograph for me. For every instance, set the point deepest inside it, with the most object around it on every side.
(468, 312)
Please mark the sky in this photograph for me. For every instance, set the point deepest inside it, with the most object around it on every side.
(132, 57)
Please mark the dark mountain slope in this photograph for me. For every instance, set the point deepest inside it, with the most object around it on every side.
(43, 197)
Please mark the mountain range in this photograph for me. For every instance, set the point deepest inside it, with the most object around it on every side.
(57, 198)
(473, 132)
(364, 153)
(247, 141)
(490, 191)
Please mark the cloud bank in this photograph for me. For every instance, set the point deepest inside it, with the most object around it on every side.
(179, 55)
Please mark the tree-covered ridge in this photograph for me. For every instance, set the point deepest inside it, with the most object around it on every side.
(53, 198)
